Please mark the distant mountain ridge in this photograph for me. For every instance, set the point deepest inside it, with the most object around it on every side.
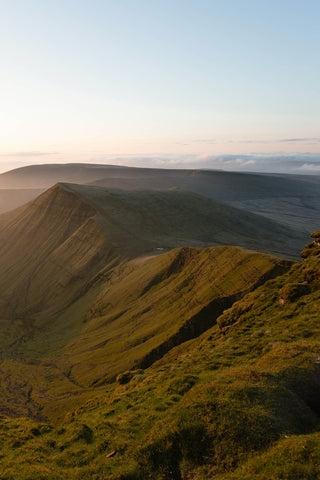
(289, 199)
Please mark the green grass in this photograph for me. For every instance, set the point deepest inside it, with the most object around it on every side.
(228, 405)
(132, 317)
(222, 392)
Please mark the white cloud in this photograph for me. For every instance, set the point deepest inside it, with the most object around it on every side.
(310, 167)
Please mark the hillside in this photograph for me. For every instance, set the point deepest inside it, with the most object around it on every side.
(129, 319)
(165, 219)
(50, 250)
(289, 199)
(118, 303)
(55, 249)
(226, 405)
(47, 175)
(185, 290)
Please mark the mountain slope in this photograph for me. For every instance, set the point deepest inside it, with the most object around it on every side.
(146, 307)
(98, 328)
(146, 219)
(133, 315)
(64, 237)
(227, 405)
(55, 249)
(289, 199)
(49, 251)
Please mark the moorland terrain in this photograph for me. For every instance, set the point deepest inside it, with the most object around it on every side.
(290, 199)
(159, 325)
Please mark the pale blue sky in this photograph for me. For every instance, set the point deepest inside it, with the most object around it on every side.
(81, 79)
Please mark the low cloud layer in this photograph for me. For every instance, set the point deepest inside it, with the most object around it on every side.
(263, 163)
(278, 163)
(308, 164)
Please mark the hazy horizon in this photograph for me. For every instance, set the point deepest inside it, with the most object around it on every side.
(297, 164)
(161, 83)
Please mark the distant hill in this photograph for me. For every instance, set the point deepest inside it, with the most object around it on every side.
(47, 175)
(289, 199)
(52, 248)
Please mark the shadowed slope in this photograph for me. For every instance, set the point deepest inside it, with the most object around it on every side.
(290, 199)
(145, 309)
(142, 220)
(49, 250)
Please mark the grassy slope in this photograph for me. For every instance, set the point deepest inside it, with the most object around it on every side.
(132, 317)
(60, 252)
(210, 401)
(51, 249)
(227, 405)
(146, 308)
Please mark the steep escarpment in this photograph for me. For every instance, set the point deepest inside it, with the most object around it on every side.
(146, 308)
(226, 405)
(229, 404)
(49, 250)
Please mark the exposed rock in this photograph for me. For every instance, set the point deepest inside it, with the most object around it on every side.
(292, 291)
(312, 248)
(126, 377)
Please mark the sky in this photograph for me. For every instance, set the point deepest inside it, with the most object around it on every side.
(159, 81)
